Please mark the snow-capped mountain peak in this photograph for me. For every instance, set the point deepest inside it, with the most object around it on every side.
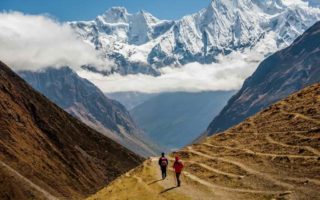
(115, 15)
(141, 43)
(269, 6)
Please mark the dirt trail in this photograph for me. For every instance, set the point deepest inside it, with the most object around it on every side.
(244, 167)
(217, 187)
(145, 183)
(46, 194)
(218, 171)
(308, 148)
(249, 151)
(317, 121)
(148, 185)
(257, 159)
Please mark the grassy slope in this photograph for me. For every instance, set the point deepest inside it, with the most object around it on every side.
(272, 155)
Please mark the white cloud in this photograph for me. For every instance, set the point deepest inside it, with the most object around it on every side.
(228, 74)
(35, 41)
(29, 42)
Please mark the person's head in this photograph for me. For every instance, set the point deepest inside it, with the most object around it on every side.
(162, 154)
(177, 158)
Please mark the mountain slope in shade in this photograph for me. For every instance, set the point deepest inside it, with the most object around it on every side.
(272, 155)
(278, 76)
(175, 119)
(86, 102)
(131, 99)
(46, 150)
(141, 43)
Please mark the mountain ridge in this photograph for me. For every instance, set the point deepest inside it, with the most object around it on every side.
(50, 148)
(199, 37)
(86, 102)
(271, 155)
(279, 75)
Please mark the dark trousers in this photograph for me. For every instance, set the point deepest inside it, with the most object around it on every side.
(164, 172)
(178, 178)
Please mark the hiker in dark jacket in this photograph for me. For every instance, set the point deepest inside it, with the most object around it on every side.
(163, 163)
(178, 166)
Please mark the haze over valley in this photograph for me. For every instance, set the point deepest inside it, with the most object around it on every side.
(93, 92)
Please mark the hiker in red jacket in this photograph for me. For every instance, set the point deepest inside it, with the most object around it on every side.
(163, 162)
(178, 166)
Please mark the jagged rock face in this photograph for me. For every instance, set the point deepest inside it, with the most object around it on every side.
(50, 148)
(75, 94)
(141, 43)
(86, 102)
(279, 75)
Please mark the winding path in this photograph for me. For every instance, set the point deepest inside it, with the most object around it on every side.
(308, 148)
(249, 151)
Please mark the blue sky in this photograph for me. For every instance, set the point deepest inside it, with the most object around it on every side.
(68, 10)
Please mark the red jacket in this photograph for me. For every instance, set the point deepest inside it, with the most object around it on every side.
(178, 166)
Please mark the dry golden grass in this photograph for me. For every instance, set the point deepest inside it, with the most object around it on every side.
(272, 155)
(50, 148)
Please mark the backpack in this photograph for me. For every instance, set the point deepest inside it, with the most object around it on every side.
(163, 162)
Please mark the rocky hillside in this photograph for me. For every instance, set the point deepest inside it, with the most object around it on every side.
(281, 74)
(85, 101)
(141, 43)
(272, 155)
(45, 152)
